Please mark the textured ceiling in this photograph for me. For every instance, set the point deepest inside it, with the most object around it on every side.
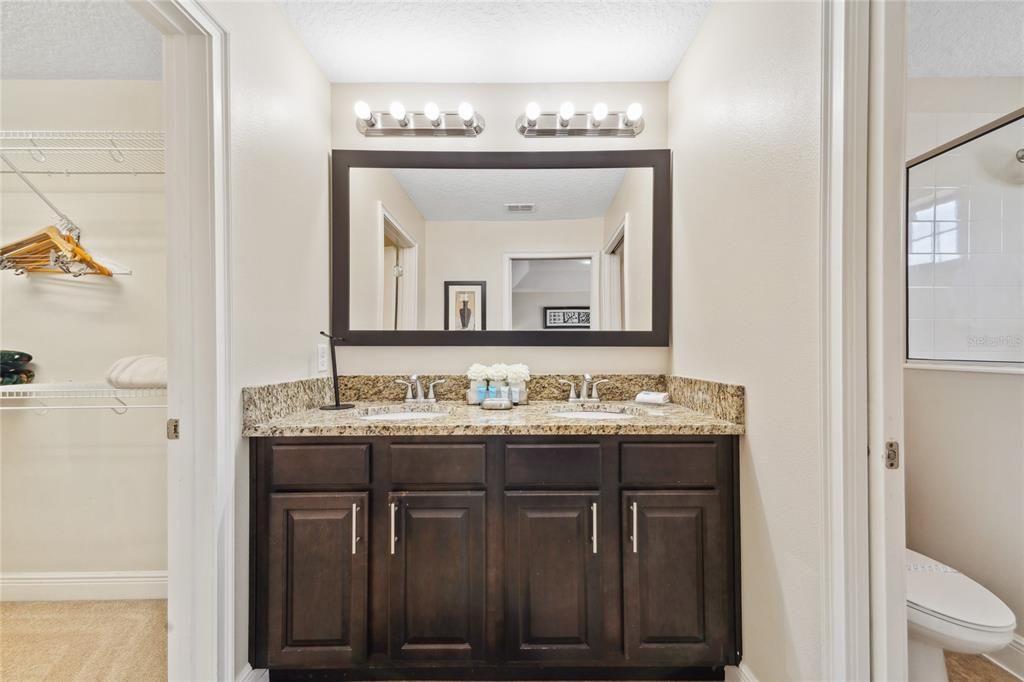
(88, 39)
(496, 41)
(965, 39)
(561, 194)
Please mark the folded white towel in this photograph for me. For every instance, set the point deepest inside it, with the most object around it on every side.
(138, 371)
(653, 397)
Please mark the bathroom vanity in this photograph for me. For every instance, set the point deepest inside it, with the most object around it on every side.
(523, 545)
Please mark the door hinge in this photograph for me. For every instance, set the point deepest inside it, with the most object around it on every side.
(399, 271)
(892, 454)
(173, 429)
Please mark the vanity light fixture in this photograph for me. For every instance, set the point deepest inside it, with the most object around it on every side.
(364, 114)
(431, 122)
(634, 113)
(532, 114)
(433, 113)
(566, 122)
(565, 114)
(397, 111)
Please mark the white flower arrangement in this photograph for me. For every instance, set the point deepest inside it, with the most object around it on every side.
(497, 372)
(518, 373)
(477, 372)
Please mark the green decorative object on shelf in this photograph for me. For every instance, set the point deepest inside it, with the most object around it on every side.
(13, 377)
(14, 358)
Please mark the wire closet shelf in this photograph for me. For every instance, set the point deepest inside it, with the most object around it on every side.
(41, 398)
(84, 152)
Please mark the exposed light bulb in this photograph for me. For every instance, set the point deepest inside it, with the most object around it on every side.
(599, 113)
(432, 112)
(565, 113)
(397, 111)
(466, 112)
(634, 112)
(363, 112)
(532, 113)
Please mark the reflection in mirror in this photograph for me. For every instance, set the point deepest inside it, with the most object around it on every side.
(501, 249)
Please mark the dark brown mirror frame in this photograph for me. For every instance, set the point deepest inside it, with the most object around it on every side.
(659, 160)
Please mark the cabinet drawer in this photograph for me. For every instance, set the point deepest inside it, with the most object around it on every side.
(563, 464)
(688, 465)
(320, 467)
(438, 463)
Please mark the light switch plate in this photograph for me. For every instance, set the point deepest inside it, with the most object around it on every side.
(322, 357)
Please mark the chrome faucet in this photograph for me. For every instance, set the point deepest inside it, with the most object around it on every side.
(414, 389)
(589, 386)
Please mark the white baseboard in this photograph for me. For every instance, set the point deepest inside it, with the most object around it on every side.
(739, 673)
(78, 586)
(247, 674)
(1011, 658)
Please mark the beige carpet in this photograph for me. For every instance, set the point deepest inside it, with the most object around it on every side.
(83, 640)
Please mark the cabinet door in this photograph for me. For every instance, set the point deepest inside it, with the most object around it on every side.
(674, 578)
(552, 576)
(317, 579)
(437, 597)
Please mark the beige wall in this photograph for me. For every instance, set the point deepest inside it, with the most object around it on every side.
(636, 199)
(368, 188)
(964, 431)
(474, 250)
(279, 146)
(499, 104)
(940, 109)
(965, 475)
(745, 107)
(84, 490)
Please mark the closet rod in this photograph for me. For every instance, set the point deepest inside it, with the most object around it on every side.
(66, 222)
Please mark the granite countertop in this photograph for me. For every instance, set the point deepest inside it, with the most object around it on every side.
(459, 419)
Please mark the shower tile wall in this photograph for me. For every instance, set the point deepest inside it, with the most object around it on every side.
(965, 263)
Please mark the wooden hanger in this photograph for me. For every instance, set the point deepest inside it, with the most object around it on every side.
(50, 251)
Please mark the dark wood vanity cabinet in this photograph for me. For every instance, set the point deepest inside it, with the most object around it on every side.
(317, 579)
(552, 576)
(436, 594)
(516, 557)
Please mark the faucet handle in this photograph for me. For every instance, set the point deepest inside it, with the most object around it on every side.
(572, 388)
(430, 388)
(593, 388)
(408, 387)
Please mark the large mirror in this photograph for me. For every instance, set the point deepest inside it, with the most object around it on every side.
(501, 248)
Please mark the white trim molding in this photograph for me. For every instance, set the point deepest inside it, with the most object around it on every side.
(82, 585)
(249, 674)
(1011, 658)
(739, 673)
(845, 598)
(201, 463)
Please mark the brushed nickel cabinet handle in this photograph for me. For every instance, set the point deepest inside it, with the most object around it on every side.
(593, 525)
(393, 536)
(355, 526)
(634, 528)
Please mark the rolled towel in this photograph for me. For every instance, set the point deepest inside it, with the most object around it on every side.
(653, 397)
(138, 371)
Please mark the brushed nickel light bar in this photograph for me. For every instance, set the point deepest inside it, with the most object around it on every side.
(566, 122)
(431, 122)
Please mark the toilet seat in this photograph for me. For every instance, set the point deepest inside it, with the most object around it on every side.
(948, 604)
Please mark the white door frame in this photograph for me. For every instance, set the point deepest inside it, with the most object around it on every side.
(595, 280)
(607, 287)
(885, 341)
(864, 598)
(845, 586)
(408, 260)
(200, 465)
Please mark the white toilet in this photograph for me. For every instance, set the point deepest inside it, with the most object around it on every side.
(947, 610)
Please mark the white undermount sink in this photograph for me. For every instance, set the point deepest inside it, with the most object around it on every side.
(401, 413)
